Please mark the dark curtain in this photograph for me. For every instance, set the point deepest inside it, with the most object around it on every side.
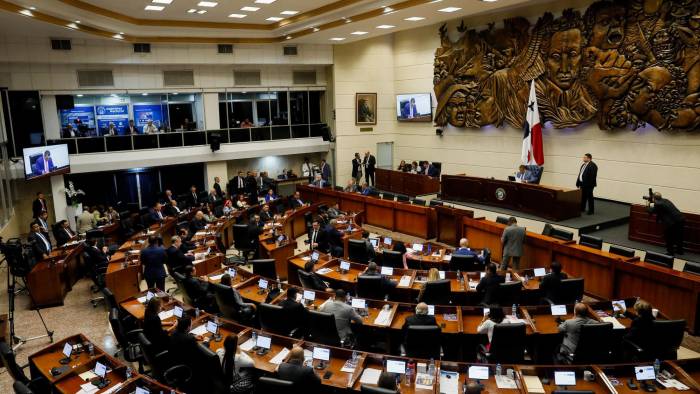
(150, 190)
(179, 178)
(126, 188)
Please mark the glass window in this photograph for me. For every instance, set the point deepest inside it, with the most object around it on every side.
(299, 107)
(26, 124)
(279, 109)
(150, 112)
(315, 106)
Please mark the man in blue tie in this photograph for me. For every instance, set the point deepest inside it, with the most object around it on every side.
(156, 215)
(41, 245)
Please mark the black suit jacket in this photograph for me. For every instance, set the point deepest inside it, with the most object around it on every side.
(296, 204)
(233, 186)
(254, 231)
(335, 237)
(295, 312)
(196, 289)
(171, 211)
(62, 237)
(98, 259)
(182, 348)
(153, 330)
(418, 320)
(321, 239)
(37, 207)
(265, 216)
(217, 187)
(590, 174)
(197, 225)
(550, 284)
(251, 185)
(177, 260)
(193, 200)
(666, 212)
(304, 378)
(369, 163)
(39, 247)
(356, 164)
(489, 286)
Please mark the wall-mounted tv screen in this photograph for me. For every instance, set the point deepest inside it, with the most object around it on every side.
(44, 161)
(414, 107)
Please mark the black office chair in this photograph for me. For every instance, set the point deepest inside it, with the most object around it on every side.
(226, 301)
(357, 251)
(509, 293)
(591, 241)
(179, 377)
(180, 282)
(388, 196)
(208, 376)
(692, 267)
(402, 198)
(267, 385)
(275, 319)
(437, 292)
(668, 335)
(502, 220)
(376, 390)
(435, 203)
(422, 342)
(569, 291)
(305, 278)
(265, 268)
(21, 388)
(392, 259)
(418, 201)
(507, 345)
(464, 263)
(561, 234)
(242, 242)
(13, 369)
(661, 259)
(127, 343)
(547, 230)
(621, 251)
(594, 344)
(322, 328)
(370, 287)
(110, 300)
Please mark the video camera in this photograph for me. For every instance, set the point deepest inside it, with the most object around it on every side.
(650, 196)
(20, 257)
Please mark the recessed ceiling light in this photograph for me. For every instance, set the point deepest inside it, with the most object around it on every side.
(337, 38)
(450, 9)
(315, 29)
(26, 13)
(200, 12)
(386, 27)
(118, 36)
(274, 19)
(289, 37)
(239, 16)
(176, 93)
(154, 8)
(289, 12)
(72, 25)
(414, 19)
(78, 22)
(435, 1)
(359, 33)
(162, 1)
(489, 1)
(250, 9)
(388, 10)
(121, 32)
(32, 8)
(80, 95)
(265, 1)
(207, 4)
(191, 10)
(348, 20)
(144, 94)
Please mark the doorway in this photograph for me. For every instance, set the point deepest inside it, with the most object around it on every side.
(385, 155)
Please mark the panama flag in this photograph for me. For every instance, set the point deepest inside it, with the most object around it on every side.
(532, 153)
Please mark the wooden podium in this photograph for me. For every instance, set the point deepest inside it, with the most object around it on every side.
(400, 182)
(644, 228)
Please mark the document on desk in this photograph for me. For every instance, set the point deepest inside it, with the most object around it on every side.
(200, 233)
(504, 382)
(405, 281)
(166, 314)
(473, 284)
(216, 277)
(279, 357)
(324, 271)
(201, 330)
(383, 318)
(370, 376)
(514, 320)
(113, 388)
(87, 375)
(141, 300)
(306, 258)
(533, 384)
(247, 345)
(616, 323)
(87, 388)
(449, 382)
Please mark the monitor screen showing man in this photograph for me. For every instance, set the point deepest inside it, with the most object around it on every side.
(44, 161)
(414, 107)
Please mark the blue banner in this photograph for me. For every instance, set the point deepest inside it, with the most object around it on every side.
(86, 114)
(117, 114)
(144, 113)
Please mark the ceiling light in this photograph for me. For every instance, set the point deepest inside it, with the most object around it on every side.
(348, 20)
(176, 93)
(32, 8)
(118, 36)
(435, 1)
(315, 29)
(121, 32)
(385, 27)
(200, 12)
(144, 94)
(80, 95)
(72, 25)
(274, 19)
(359, 33)
(337, 38)
(239, 16)
(191, 10)
(414, 19)
(207, 4)
(265, 1)
(78, 22)
(162, 1)
(289, 12)
(113, 95)
(251, 9)
(154, 8)
(450, 9)
(388, 10)
(26, 13)
(289, 37)
(489, 1)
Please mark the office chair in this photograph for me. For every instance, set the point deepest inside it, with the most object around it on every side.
(422, 342)
(502, 220)
(661, 259)
(388, 196)
(569, 291)
(180, 282)
(507, 345)
(357, 251)
(208, 376)
(267, 385)
(591, 241)
(373, 193)
(437, 292)
(179, 377)
(402, 198)
(594, 344)
(308, 221)
(418, 201)
(691, 267)
(127, 343)
(21, 388)
(226, 301)
(110, 300)
(435, 203)
(621, 251)
(375, 390)
(265, 268)
(275, 319)
(322, 328)
(392, 258)
(509, 293)
(13, 369)
(338, 188)
(561, 234)
(97, 275)
(370, 287)
(242, 242)
(305, 278)
(668, 335)
(464, 263)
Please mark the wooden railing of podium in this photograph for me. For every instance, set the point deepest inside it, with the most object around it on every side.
(552, 203)
(643, 227)
(405, 183)
(607, 275)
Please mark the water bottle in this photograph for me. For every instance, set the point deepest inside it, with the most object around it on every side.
(431, 367)
(279, 282)
(498, 369)
(196, 313)
(527, 279)
(91, 350)
(348, 299)
(514, 310)
(255, 338)
(128, 373)
(657, 367)
(355, 356)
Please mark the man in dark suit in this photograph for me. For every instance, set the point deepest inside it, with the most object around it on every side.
(132, 129)
(63, 233)
(586, 181)
(387, 284)
(265, 214)
(369, 163)
(255, 228)
(304, 378)
(155, 213)
(43, 220)
(167, 197)
(198, 290)
(325, 169)
(41, 244)
(44, 164)
(177, 259)
(334, 238)
(433, 171)
(237, 184)
(172, 209)
(97, 257)
(193, 198)
(550, 283)
(296, 201)
(317, 282)
(489, 284)
(421, 318)
(217, 187)
(152, 259)
(251, 186)
(39, 205)
(183, 345)
(317, 237)
(295, 310)
(213, 196)
(673, 221)
(409, 110)
(198, 222)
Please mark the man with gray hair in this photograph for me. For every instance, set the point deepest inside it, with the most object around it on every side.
(512, 240)
(177, 260)
(672, 219)
(421, 318)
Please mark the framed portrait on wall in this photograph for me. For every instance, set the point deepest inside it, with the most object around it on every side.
(365, 108)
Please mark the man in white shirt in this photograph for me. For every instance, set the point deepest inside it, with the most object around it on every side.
(42, 245)
(307, 168)
(150, 128)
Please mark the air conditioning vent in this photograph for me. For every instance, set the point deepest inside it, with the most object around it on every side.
(141, 47)
(225, 49)
(246, 78)
(290, 50)
(92, 78)
(304, 77)
(60, 44)
(178, 78)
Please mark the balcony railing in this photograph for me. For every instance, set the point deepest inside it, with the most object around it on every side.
(120, 143)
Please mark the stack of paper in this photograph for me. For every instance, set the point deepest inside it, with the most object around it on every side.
(533, 384)
(504, 382)
(306, 258)
(279, 357)
(405, 281)
(449, 382)
(324, 271)
(616, 324)
(424, 381)
(166, 314)
(348, 367)
(216, 277)
(247, 345)
(113, 388)
(383, 318)
(201, 330)
(370, 376)
(141, 300)
(514, 319)
(87, 375)
(447, 257)
(87, 388)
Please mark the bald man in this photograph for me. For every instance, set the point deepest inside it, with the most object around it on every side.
(571, 329)
(421, 318)
(304, 378)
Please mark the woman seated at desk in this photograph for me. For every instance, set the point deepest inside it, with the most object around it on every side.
(270, 196)
(491, 318)
(433, 275)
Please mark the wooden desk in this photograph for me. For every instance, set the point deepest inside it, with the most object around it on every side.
(597, 386)
(51, 279)
(448, 224)
(644, 228)
(116, 375)
(626, 372)
(489, 385)
(550, 202)
(42, 361)
(400, 182)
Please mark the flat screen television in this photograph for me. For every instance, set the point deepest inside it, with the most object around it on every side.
(415, 107)
(43, 161)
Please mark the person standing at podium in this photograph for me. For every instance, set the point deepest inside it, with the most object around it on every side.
(586, 181)
(673, 221)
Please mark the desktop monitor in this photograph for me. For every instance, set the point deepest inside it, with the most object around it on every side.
(396, 366)
(177, 311)
(416, 107)
(262, 283)
(140, 390)
(322, 354)
(374, 242)
(212, 327)
(387, 271)
(478, 372)
(100, 369)
(644, 372)
(358, 303)
(344, 265)
(387, 241)
(44, 161)
(309, 295)
(558, 310)
(540, 272)
(263, 342)
(565, 378)
(431, 310)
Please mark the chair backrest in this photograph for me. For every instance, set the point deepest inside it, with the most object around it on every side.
(464, 263)
(391, 258)
(509, 293)
(570, 290)
(357, 250)
(375, 390)
(508, 343)
(418, 201)
(591, 241)
(561, 234)
(264, 267)
(241, 241)
(370, 287)
(147, 349)
(434, 203)
(10, 363)
(402, 198)
(110, 300)
(180, 281)
(547, 230)
(692, 267)
(437, 292)
(668, 335)
(502, 219)
(661, 259)
(621, 251)
(117, 328)
(594, 344)
(268, 385)
(274, 318)
(423, 342)
(207, 371)
(322, 328)
(21, 388)
(306, 281)
(225, 300)
(388, 196)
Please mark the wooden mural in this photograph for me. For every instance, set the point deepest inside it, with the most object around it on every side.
(622, 64)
